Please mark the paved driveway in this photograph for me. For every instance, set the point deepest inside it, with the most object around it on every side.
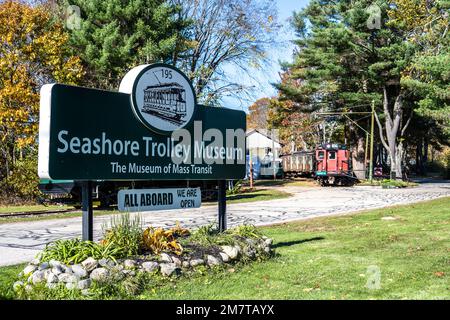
(19, 242)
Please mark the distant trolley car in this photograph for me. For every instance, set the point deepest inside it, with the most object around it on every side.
(333, 165)
(329, 163)
(167, 101)
(299, 164)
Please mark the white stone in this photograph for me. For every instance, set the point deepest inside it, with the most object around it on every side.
(212, 261)
(185, 264)
(268, 242)
(168, 269)
(71, 285)
(38, 276)
(230, 251)
(54, 263)
(57, 270)
(129, 264)
(79, 271)
(150, 266)
(52, 278)
(66, 269)
(89, 264)
(100, 274)
(29, 269)
(224, 256)
(106, 263)
(17, 285)
(44, 266)
(84, 284)
(165, 258)
(35, 262)
(197, 262)
(176, 260)
(67, 277)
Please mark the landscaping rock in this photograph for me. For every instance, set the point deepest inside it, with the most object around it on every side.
(66, 269)
(107, 263)
(57, 270)
(231, 252)
(268, 241)
(17, 285)
(224, 256)
(212, 261)
(129, 264)
(71, 285)
(250, 252)
(150, 266)
(164, 257)
(67, 278)
(38, 276)
(44, 266)
(35, 262)
(168, 269)
(54, 263)
(85, 292)
(52, 278)
(79, 271)
(29, 269)
(84, 284)
(176, 260)
(197, 262)
(89, 264)
(100, 274)
(185, 264)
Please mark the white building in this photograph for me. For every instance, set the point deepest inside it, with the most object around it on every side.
(261, 145)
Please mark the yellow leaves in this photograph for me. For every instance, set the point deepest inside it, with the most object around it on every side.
(34, 50)
(158, 239)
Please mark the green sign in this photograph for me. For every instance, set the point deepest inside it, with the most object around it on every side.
(89, 134)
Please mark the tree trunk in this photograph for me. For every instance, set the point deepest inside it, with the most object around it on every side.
(359, 167)
(392, 143)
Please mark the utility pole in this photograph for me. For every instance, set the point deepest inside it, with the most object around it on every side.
(371, 142)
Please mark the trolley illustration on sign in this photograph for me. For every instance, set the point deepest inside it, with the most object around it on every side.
(166, 101)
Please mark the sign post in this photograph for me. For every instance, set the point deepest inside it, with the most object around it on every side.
(152, 129)
(87, 211)
(222, 203)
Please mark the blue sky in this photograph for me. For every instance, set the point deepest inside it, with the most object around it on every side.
(281, 52)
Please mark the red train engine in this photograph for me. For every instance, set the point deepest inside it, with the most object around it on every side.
(333, 165)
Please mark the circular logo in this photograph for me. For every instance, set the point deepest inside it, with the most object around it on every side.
(163, 98)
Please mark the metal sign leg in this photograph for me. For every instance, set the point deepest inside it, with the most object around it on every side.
(222, 201)
(88, 214)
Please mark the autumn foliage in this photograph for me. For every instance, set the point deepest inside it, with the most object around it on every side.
(33, 51)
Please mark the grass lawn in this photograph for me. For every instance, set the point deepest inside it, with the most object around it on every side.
(8, 209)
(334, 258)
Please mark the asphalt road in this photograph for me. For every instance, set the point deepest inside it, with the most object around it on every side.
(20, 241)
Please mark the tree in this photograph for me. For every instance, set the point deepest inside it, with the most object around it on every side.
(114, 36)
(33, 51)
(348, 56)
(225, 33)
(258, 114)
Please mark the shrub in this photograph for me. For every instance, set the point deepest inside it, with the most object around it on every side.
(387, 183)
(124, 235)
(158, 240)
(76, 251)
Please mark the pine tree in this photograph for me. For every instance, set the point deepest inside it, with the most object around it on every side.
(350, 53)
(113, 36)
